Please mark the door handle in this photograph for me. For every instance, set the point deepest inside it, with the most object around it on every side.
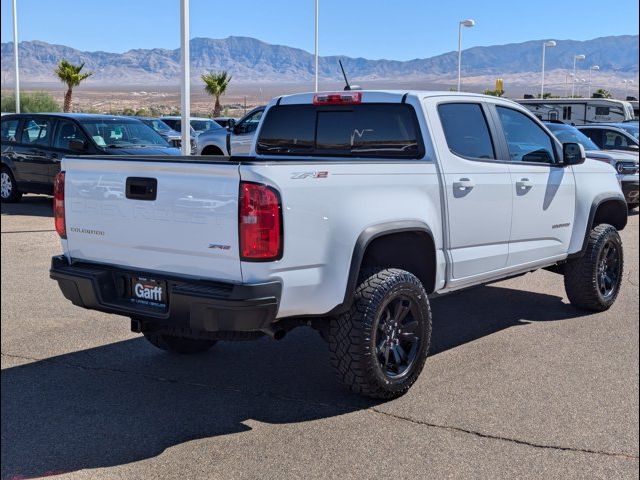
(524, 184)
(464, 184)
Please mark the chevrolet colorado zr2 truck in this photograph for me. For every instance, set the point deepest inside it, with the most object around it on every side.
(354, 209)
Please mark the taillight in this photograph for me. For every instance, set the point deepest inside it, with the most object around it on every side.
(343, 98)
(260, 219)
(58, 205)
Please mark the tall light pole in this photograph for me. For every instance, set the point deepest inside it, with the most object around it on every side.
(550, 43)
(185, 98)
(566, 83)
(316, 45)
(463, 23)
(591, 69)
(575, 60)
(15, 57)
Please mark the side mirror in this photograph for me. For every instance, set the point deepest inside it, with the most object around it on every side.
(240, 129)
(634, 147)
(77, 145)
(573, 154)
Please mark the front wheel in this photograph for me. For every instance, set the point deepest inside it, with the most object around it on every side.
(380, 345)
(8, 188)
(174, 344)
(592, 282)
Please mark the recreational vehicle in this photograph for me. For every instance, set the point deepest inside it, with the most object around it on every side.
(580, 111)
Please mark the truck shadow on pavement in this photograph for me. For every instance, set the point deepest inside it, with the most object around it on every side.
(30, 206)
(126, 401)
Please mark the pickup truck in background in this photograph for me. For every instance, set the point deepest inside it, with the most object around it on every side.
(354, 209)
(236, 140)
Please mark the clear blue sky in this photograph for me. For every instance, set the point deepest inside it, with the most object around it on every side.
(393, 29)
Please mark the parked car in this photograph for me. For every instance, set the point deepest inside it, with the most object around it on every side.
(33, 145)
(625, 163)
(237, 141)
(198, 125)
(353, 208)
(614, 136)
(173, 137)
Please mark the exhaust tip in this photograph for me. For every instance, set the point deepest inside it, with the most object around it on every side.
(278, 334)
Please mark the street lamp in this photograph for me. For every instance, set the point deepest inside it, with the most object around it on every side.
(573, 85)
(185, 80)
(316, 46)
(591, 69)
(566, 83)
(550, 43)
(583, 81)
(15, 57)
(463, 23)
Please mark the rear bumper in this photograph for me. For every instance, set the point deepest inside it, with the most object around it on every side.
(193, 305)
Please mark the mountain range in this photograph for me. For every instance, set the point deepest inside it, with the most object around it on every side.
(251, 60)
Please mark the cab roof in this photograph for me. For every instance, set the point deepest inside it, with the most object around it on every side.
(381, 96)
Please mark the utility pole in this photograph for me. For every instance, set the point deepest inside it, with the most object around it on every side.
(185, 100)
(15, 57)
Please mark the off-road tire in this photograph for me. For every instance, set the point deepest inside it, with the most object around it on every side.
(14, 194)
(181, 345)
(353, 337)
(581, 275)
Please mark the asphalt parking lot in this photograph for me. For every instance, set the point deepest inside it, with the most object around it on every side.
(519, 385)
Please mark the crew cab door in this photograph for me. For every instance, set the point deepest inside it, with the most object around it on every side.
(478, 190)
(243, 133)
(543, 191)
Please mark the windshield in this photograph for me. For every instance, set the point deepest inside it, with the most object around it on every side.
(203, 125)
(158, 125)
(117, 133)
(569, 134)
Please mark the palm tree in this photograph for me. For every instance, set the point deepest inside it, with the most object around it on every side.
(215, 84)
(69, 74)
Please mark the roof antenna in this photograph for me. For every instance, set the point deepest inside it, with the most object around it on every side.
(346, 80)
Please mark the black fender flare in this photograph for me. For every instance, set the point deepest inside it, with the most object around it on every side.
(364, 240)
(597, 202)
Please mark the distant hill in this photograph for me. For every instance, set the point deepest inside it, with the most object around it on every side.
(251, 60)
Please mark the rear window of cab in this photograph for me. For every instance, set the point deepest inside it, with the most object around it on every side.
(372, 130)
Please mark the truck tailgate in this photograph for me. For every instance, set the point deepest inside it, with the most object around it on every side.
(163, 215)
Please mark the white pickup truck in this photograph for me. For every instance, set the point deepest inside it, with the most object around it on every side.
(354, 209)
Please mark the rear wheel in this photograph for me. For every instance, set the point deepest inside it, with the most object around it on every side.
(380, 345)
(8, 188)
(182, 345)
(593, 281)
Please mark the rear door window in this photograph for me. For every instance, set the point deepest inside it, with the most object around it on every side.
(466, 130)
(37, 131)
(388, 130)
(594, 134)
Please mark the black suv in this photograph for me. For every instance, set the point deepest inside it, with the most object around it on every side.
(34, 143)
